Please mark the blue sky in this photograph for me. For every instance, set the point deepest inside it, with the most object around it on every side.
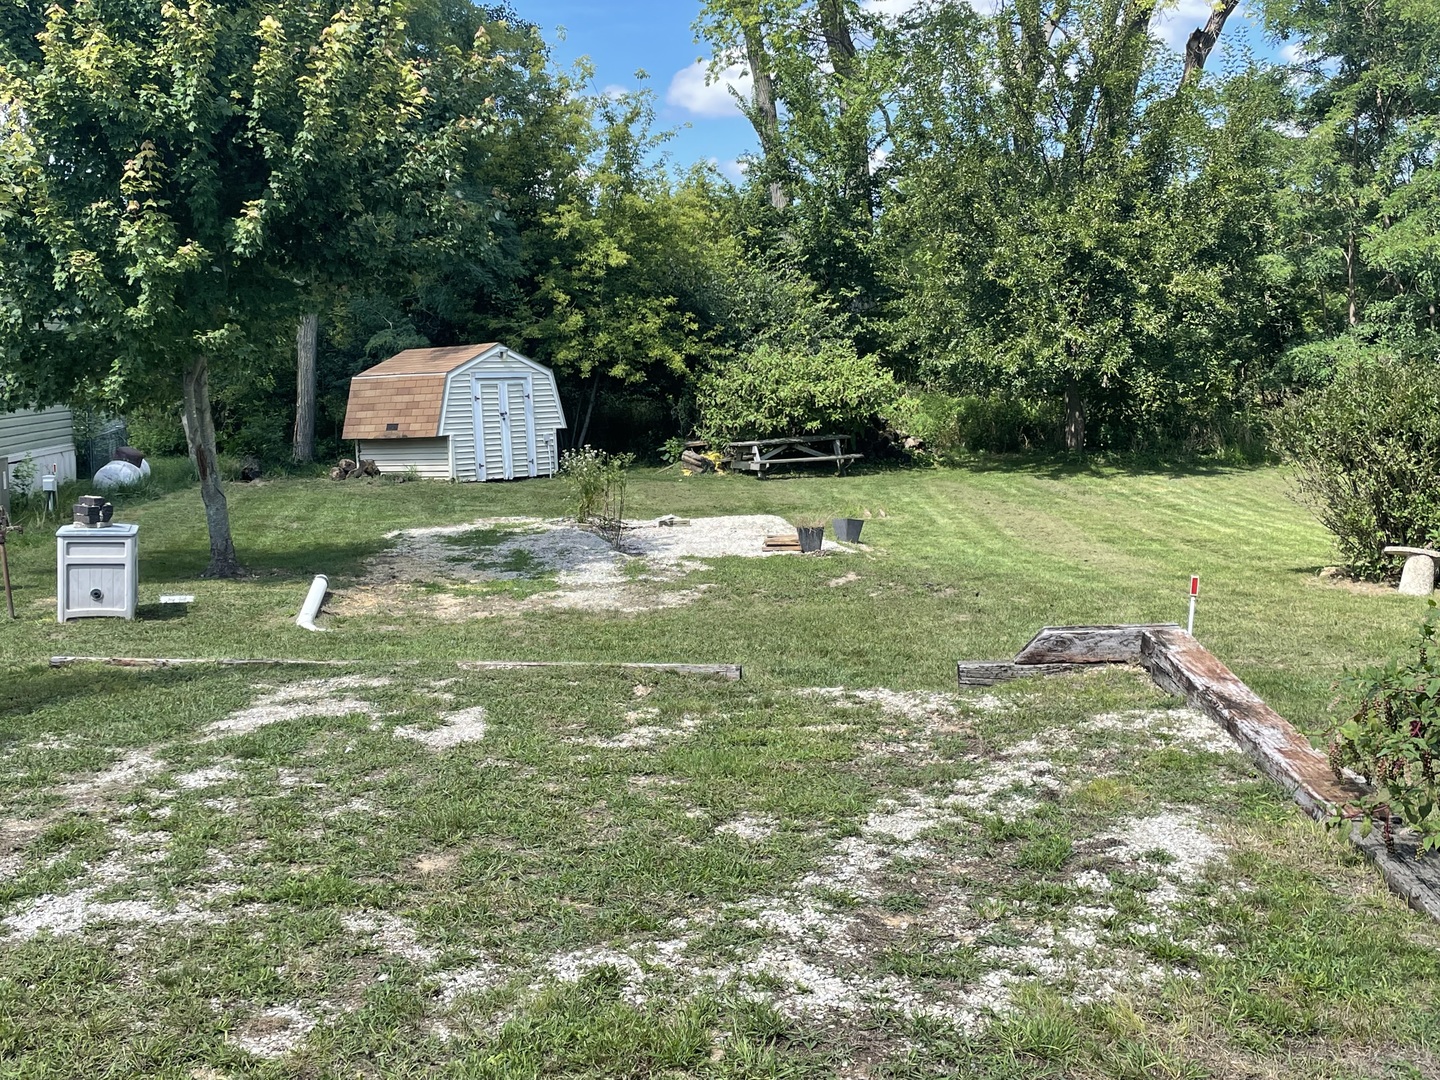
(655, 35)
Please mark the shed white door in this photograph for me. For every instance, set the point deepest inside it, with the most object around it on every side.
(505, 409)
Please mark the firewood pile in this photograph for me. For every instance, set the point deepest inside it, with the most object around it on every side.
(347, 469)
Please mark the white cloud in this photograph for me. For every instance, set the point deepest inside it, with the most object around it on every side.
(615, 91)
(889, 9)
(733, 170)
(1293, 52)
(696, 91)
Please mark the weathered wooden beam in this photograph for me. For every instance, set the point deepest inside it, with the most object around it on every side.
(182, 661)
(1181, 665)
(732, 672)
(1086, 644)
(990, 672)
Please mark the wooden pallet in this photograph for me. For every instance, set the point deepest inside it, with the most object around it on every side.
(783, 542)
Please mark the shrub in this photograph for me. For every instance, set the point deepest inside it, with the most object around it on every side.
(597, 486)
(1393, 741)
(772, 392)
(1367, 454)
(951, 425)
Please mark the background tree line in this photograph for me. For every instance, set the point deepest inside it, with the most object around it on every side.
(1022, 227)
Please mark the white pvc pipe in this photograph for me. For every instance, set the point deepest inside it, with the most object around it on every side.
(311, 608)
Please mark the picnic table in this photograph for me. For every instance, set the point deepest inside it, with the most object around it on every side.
(757, 455)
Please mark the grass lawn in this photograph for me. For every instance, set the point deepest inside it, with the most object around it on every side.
(838, 866)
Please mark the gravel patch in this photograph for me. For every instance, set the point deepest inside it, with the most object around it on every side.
(275, 1031)
(456, 729)
(589, 573)
(296, 701)
(1187, 726)
(390, 934)
(644, 736)
(209, 776)
(749, 827)
(135, 767)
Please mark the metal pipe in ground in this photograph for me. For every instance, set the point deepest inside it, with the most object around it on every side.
(313, 599)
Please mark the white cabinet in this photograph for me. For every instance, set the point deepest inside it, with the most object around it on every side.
(98, 571)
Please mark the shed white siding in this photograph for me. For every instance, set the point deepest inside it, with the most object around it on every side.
(429, 457)
(45, 436)
(496, 369)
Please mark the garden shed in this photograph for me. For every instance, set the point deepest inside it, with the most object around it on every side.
(469, 412)
(44, 437)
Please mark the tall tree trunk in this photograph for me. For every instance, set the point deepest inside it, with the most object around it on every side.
(765, 114)
(589, 412)
(200, 437)
(1074, 416)
(854, 128)
(1353, 312)
(305, 346)
(1203, 39)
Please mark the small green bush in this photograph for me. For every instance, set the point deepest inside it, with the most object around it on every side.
(772, 392)
(1393, 741)
(596, 480)
(952, 425)
(1366, 449)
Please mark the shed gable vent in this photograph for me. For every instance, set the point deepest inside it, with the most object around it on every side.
(392, 427)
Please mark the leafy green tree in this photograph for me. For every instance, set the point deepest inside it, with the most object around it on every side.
(178, 174)
(773, 392)
(1364, 226)
(1063, 223)
(625, 264)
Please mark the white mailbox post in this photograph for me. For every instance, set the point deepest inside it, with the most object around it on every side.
(98, 570)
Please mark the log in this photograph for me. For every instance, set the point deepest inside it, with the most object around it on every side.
(990, 672)
(1180, 664)
(181, 661)
(732, 672)
(1086, 644)
(696, 462)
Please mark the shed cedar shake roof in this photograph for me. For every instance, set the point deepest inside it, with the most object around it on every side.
(408, 391)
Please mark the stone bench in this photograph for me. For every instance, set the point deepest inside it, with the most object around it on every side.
(1418, 576)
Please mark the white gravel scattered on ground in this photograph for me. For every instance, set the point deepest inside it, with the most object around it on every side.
(295, 701)
(134, 768)
(574, 966)
(749, 827)
(391, 934)
(74, 912)
(1188, 726)
(644, 736)
(457, 729)
(275, 1031)
(589, 573)
(917, 706)
(475, 979)
(205, 777)
(1190, 844)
